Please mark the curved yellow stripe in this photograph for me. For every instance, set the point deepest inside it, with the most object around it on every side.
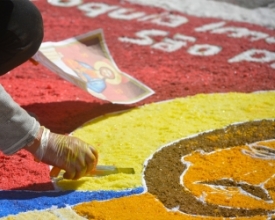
(127, 139)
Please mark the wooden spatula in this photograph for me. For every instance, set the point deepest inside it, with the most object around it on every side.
(100, 170)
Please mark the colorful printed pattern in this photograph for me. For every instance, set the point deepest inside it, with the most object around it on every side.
(176, 55)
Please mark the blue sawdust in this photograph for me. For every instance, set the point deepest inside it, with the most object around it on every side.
(14, 202)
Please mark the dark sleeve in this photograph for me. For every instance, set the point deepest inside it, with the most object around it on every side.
(6, 7)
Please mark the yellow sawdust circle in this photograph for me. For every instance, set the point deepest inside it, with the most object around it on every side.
(128, 138)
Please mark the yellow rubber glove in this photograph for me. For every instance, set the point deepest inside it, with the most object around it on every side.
(69, 153)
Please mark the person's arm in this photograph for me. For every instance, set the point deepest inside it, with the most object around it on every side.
(19, 130)
(17, 127)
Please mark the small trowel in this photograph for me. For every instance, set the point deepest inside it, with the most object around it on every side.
(100, 170)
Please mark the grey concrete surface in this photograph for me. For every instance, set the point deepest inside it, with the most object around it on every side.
(251, 4)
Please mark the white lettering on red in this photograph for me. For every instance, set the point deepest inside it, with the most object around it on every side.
(94, 9)
(125, 14)
(68, 3)
(254, 55)
(204, 50)
(144, 37)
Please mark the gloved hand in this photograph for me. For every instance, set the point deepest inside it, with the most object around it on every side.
(69, 153)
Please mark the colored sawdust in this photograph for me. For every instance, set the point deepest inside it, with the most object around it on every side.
(225, 177)
(123, 208)
(53, 214)
(137, 207)
(63, 108)
(31, 175)
(207, 168)
(140, 132)
(126, 139)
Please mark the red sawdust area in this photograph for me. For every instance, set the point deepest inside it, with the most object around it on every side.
(62, 107)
